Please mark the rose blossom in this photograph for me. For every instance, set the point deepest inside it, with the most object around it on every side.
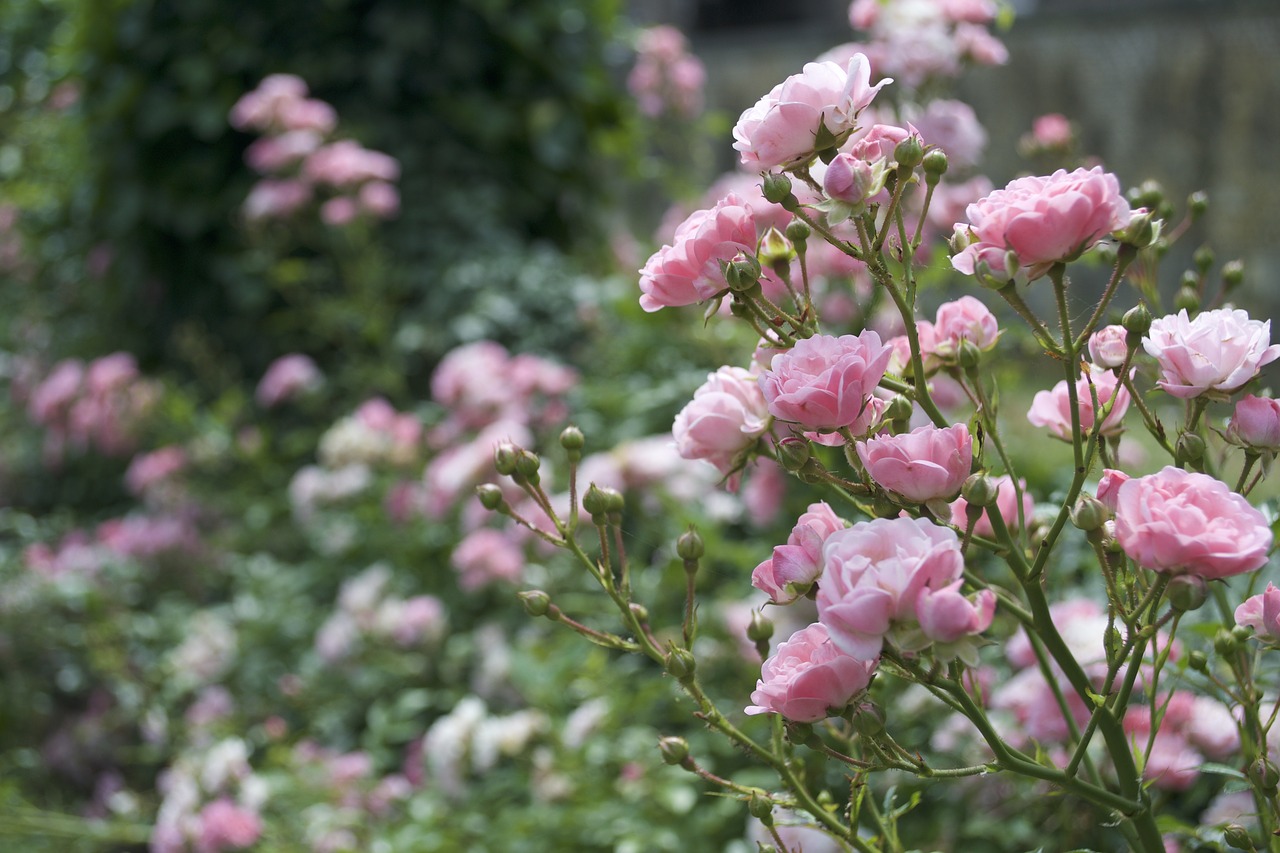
(1217, 351)
(880, 579)
(782, 128)
(1052, 409)
(1052, 130)
(1109, 487)
(689, 270)
(724, 419)
(964, 319)
(1042, 220)
(1256, 423)
(1006, 504)
(1262, 614)
(1109, 346)
(794, 566)
(808, 678)
(925, 464)
(286, 378)
(224, 825)
(1189, 523)
(824, 382)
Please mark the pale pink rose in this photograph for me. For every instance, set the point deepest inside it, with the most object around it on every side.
(873, 578)
(53, 396)
(977, 44)
(952, 126)
(781, 129)
(111, 373)
(226, 825)
(486, 556)
(1262, 614)
(1006, 504)
(1256, 423)
(467, 381)
(724, 419)
(1034, 705)
(1052, 409)
(795, 566)
(808, 678)
(346, 163)
(380, 199)
(258, 109)
(689, 270)
(413, 620)
(968, 11)
(946, 616)
(764, 491)
(1043, 220)
(852, 180)
(273, 153)
(339, 210)
(1219, 350)
(925, 464)
(823, 383)
(965, 319)
(287, 378)
(863, 14)
(1109, 487)
(1108, 347)
(149, 469)
(1211, 728)
(1052, 130)
(270, 198)
(1189, 523)
(307, 114)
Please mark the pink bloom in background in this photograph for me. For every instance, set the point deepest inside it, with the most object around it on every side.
(1052, 130)
(824, 383)
(1256, 423)
(723, 420)
(1006, 504)
(225, 825)
(1042, 220)
(952, 126)
(339, 210)
(1262, 614)
(1108, 347)
(666, 77)
(965, 319)
(487, 556)
(1218, 351)
(148, 470)
(272, 198)
(287, 378)
(946, 616)
(809, 678)
(346, 163)
(52, 398)
(795, 566)
(258, 109)
(98, 406)
(689, 270)
(925, 464)
(1189, 523)
(853, 180)
(1109, 487)
(781, 129)
(1052, 409)
(875, 575)
(271, 154)
(379, 199)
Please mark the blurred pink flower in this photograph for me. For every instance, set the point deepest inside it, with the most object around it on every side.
(723, 420)
(288, 377)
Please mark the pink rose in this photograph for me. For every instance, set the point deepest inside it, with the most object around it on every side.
(286, 378)
(947, 616)
(224, 825)
(794, 567)
(487, 556)
(875, 574)
(1108, 347)
(852, 180)
(689, 270)
(1188, 523)
(1262, 614)
(823, 383)
(1043, 220)
(1217, 351)
(1109, 487)
(1052, 130)
(723, 420)
(965, 319)
(1052, 409)
(150, 469)
(1256, 423)
(925, 464)
(782, 128)
(1006, 504)
(270, 198)
(379, 199)
(952, 126)
(808, 678)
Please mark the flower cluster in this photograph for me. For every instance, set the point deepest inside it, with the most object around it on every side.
(666, 77)
(366, 611)
(916, 40)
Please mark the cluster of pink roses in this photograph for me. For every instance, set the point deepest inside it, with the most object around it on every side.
(146, 537)
(297, 159)
(666, 77)
(99, 406)
(916, 40)
(367, 611)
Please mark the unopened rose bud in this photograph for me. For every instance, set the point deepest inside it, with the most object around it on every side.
(935, 165)
(776, 188)
(1242, 633)
(490, 496)
(680, 663)
(1198, 661)
(1225, 643)
(1187, 592)
(1232, 274)
(909, 152)
(760, 807)
(595, 503)
(675, 750)
(900, 408)
(1187, 299)
(613, 501)
(1089, 514)
(1142, 229)
(968, 354)
(504, 458)
(1137, 321)
(1264, 774)
(1189, 448)
(571, 438)
(527, 465)
(689, 546)
(775, 249)
(979, 490)
(1197, 204)
(798, 232)
(794, 452)
(1149, 195)
(760, 629)
(640, 612)
(1238, 837)
(869, 720)
(882, 507)
(535, 601)
(1202, 259)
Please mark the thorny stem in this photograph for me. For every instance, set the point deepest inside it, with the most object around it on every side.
(1124, 257)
